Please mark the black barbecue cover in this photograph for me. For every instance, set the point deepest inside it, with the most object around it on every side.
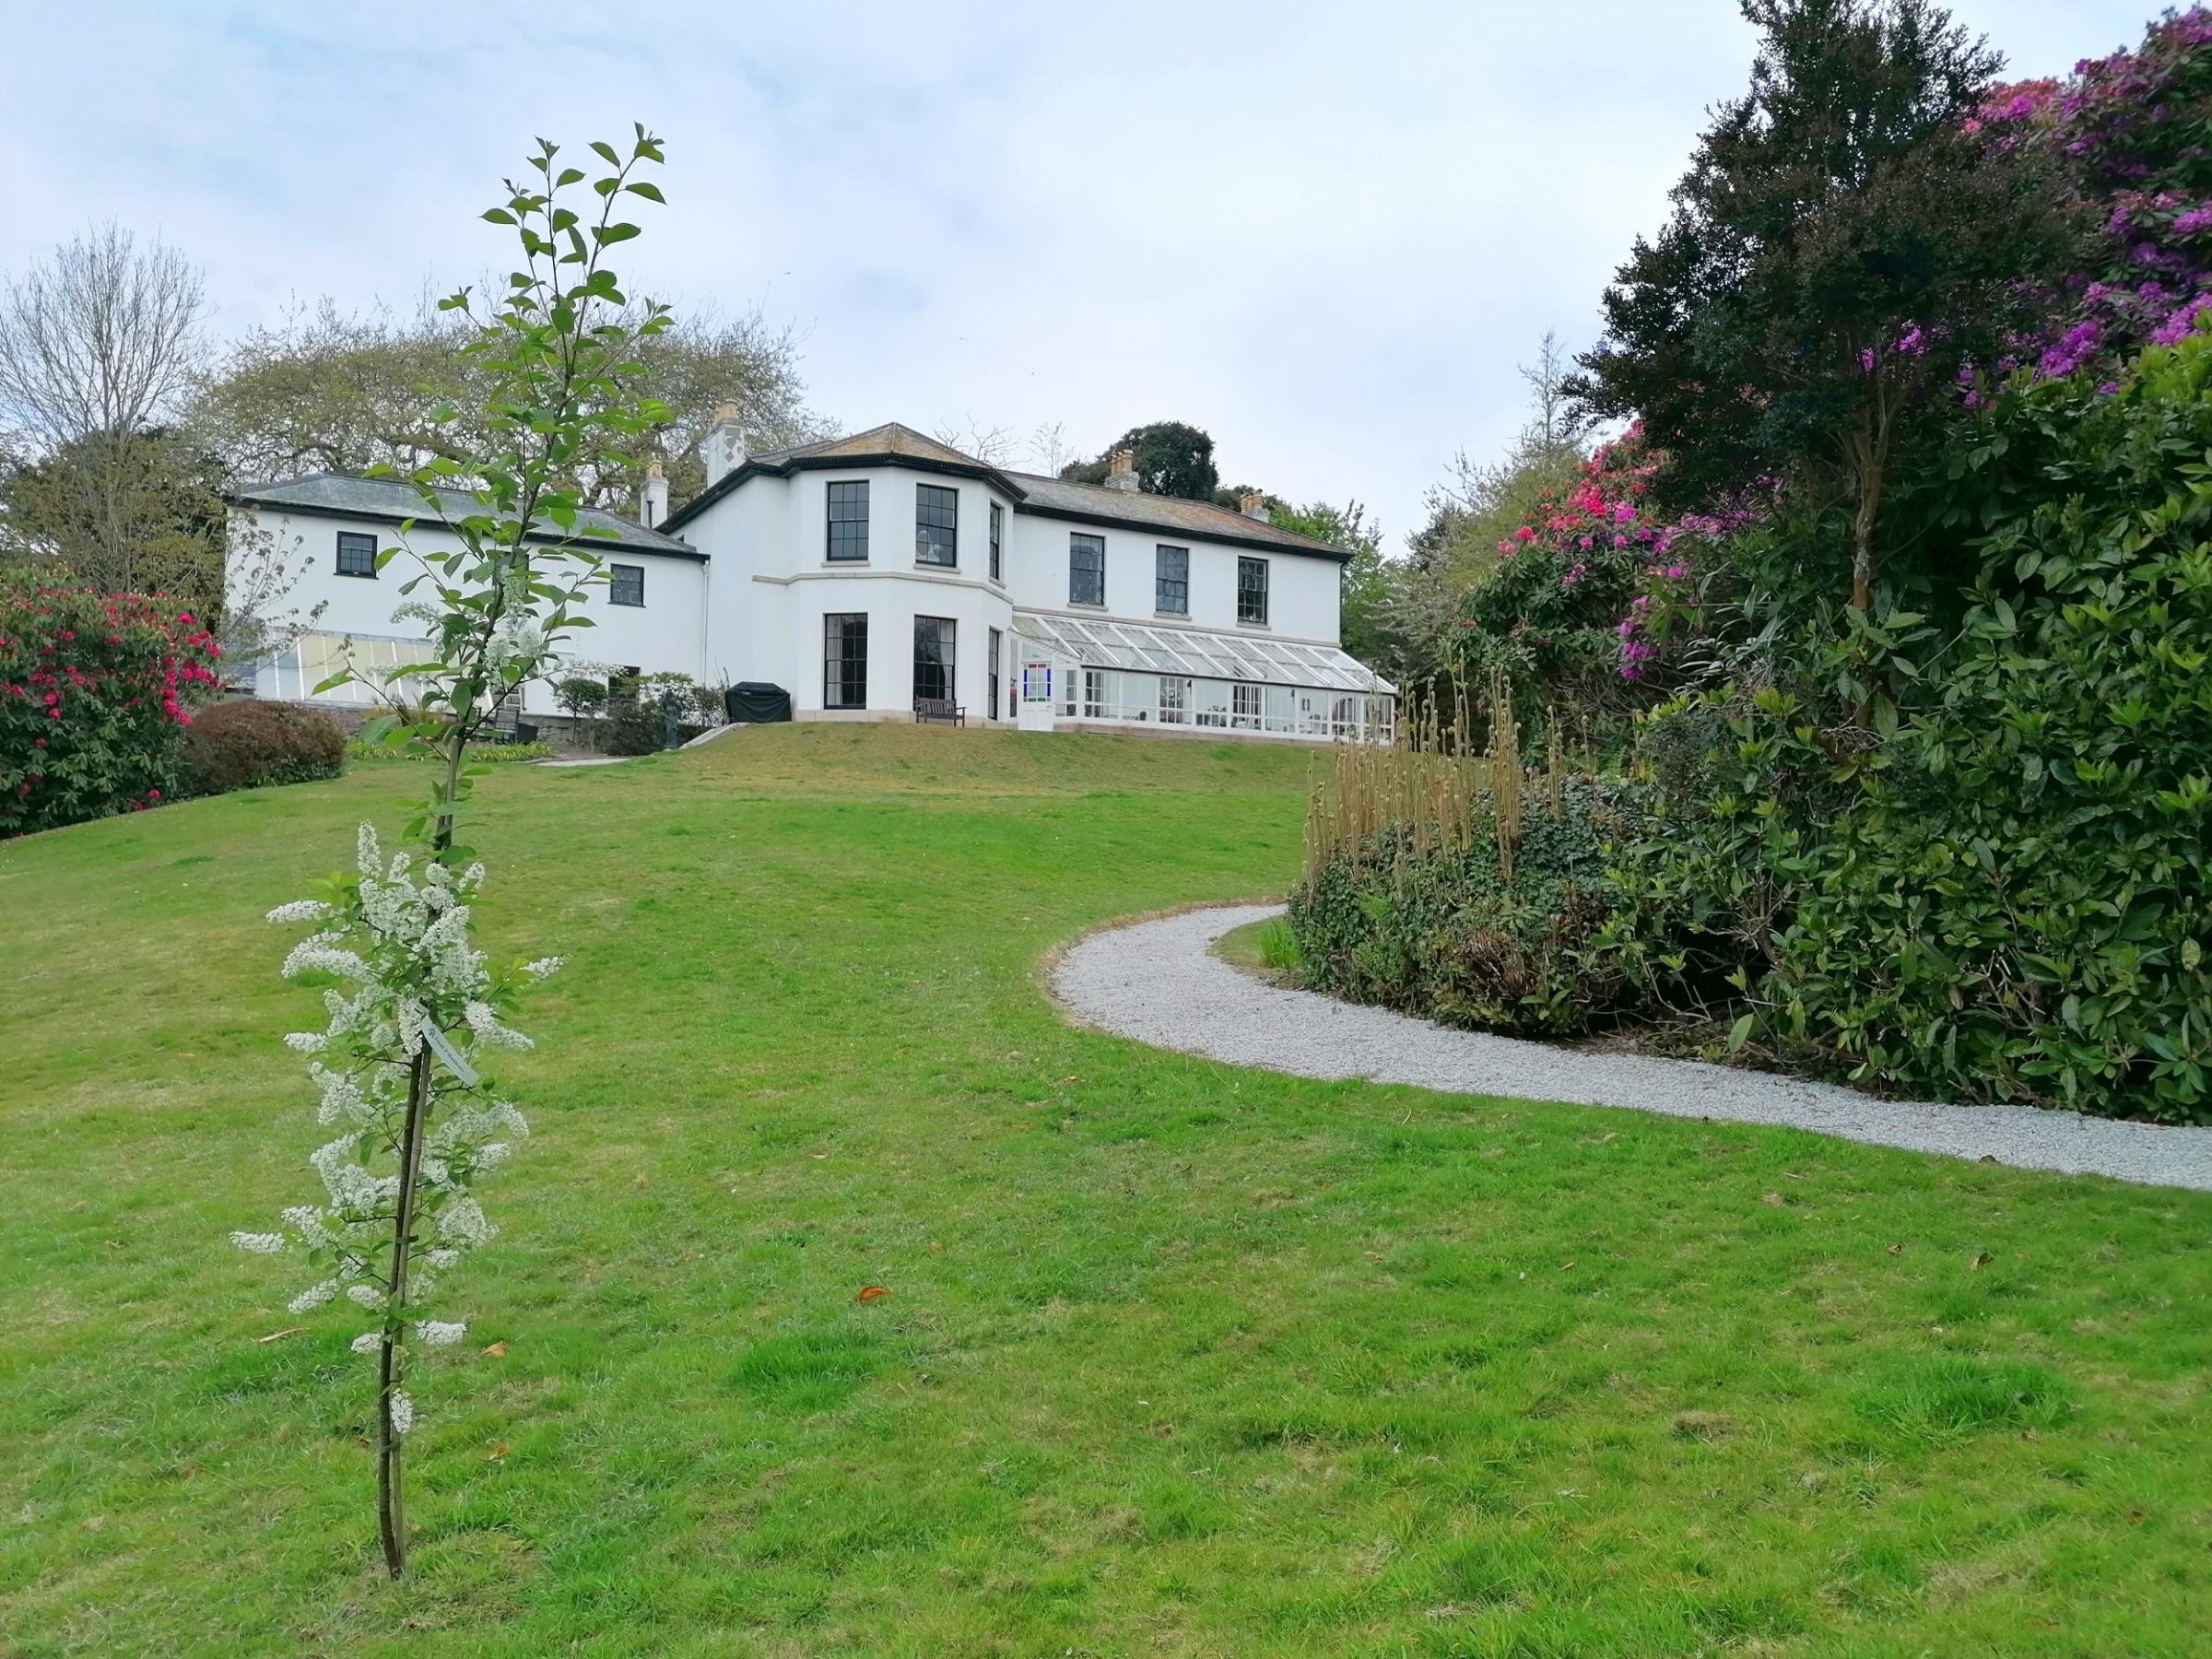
(755, 702)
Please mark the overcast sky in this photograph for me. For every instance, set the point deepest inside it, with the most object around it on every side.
(1325, 233)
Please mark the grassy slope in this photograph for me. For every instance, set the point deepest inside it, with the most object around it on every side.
(1176, 1358)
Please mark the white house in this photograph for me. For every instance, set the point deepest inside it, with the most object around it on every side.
(878, 574)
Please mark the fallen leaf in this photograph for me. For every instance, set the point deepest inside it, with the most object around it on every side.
(498, 1350)
(498, 1452)
(870, 1292)
(1897, 1250)
(1980, 1261)
(287, 1331)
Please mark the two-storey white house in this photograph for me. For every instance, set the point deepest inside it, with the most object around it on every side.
(878, 574)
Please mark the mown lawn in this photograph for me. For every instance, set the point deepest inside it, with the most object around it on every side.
(1176, 1358)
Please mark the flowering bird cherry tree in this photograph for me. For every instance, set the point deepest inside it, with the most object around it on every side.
(416, 1010)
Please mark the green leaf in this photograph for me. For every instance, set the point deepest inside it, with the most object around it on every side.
(1740, 1032)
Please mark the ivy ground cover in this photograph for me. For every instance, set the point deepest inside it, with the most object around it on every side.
(1171, 1358)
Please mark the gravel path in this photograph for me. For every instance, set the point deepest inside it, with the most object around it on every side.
(1158, 983)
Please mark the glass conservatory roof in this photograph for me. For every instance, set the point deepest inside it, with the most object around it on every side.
(1100, 644)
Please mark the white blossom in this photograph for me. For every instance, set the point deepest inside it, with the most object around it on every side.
(484, 1020)
(399, 940)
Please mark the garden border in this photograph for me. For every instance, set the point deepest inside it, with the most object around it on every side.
(1156, 980)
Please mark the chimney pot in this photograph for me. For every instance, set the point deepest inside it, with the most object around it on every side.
(653, 500)
(722, 449)
(1253, 504)
(1120, 470)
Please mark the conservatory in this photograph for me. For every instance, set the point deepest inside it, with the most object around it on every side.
(1085, 671)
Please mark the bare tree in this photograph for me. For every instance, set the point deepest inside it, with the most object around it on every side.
(96, 346)
(994, 446)
(1048, 448)
(1556, 421)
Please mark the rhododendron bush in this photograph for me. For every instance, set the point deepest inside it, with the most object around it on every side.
(2132, 132)
(1580, 599)
(95, 691)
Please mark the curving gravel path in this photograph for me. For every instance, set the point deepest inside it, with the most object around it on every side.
(1158, 983)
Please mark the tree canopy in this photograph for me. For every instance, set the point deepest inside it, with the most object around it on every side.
(1173, 458)
(328, 389)
(1843, 246)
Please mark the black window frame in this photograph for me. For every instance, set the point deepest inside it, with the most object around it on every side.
(933, 500)
(998, 531)
(1162, 581)
(946, 667)
(1245, 609)
(838, 667)
(993, 645)
(839, 532)
(357, 544)
(615, 587)
(1076, 540)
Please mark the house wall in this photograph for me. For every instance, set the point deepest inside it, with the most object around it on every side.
(774, 582)
(667, 634)
(1303, 590)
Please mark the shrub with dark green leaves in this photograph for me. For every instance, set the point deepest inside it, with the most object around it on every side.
(1446, 934)
(633, 728)
(247, 743)
(2008, 895)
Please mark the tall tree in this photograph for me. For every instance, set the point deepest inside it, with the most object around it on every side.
(1842, 245)
(327, 390)
(1368, 579)
(1173, 458)
(97, 345)
(1480, 504)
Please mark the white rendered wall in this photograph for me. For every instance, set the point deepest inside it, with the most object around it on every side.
(1302, 590)
(667, 634)
(774, 582)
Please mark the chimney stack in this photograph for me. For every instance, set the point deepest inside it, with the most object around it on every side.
(722, 449)
(1253, 504)
(653, 500)
(1120, 470)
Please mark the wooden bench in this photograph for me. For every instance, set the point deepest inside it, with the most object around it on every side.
(942, 709)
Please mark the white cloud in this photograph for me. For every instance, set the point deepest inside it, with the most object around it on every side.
(1326, 233)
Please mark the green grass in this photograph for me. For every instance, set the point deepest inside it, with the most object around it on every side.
(1175, 1359)
(1267, 947)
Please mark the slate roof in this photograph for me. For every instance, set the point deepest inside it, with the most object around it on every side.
(1032, 492)
(1056, 497)
(389, 501)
